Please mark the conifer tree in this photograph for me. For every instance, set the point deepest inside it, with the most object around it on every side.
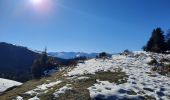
(44, 57)
(157, 42)
(40, 65)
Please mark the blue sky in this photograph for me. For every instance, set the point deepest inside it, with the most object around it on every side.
(82, 25)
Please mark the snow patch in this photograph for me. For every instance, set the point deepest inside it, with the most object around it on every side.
(91, 66)
(34, 98)
(5, 84)
(42, 88)
(82, 77)
(62, 90)
(49, 72)
(19, 98)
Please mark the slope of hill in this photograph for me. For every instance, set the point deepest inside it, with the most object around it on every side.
(16, 61)
(122, 77)
(70, 55)
(5, 84)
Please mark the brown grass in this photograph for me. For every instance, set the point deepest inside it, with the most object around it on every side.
(79, 87)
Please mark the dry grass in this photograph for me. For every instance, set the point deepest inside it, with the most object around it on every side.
(79, 87)
(9, 95)
(80, 91)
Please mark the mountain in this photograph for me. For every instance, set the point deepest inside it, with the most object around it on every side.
(124, 76)
(16, 61)
(70, 55)
(6, 84)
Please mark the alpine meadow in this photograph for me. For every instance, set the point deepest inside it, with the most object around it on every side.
(84, 50)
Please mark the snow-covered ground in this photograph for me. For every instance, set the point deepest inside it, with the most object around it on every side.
(42, 88)
(141, 81)
(34, 98)
(5, 84)
(62, 90)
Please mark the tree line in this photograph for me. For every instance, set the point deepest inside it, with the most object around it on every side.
(158, 42)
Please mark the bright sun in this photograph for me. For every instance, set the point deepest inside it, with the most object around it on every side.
(36, 1)
(41, 6)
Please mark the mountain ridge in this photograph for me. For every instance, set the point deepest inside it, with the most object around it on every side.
(70, 55)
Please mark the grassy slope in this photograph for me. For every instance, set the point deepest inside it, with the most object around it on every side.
(79, 91)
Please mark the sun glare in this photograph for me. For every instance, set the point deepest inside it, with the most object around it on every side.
(36, 1)
(41, 6)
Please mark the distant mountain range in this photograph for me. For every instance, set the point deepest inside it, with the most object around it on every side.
(70, 55)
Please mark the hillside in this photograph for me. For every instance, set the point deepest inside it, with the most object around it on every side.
(16, 62)
(126, 76)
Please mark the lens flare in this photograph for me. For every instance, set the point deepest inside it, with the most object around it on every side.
(36, 1)
(42, 6)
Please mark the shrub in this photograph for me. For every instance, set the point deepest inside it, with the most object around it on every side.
(152, 62)
(127, 52)
(72, 62)
(154, 68)
(103, 55)
(165, 69)
(164, 60)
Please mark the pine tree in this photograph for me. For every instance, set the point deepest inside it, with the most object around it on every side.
(157, 42)
(44, 57)
(40, 65)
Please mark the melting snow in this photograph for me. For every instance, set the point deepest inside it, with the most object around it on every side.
(49, 72)
(5, 84)
(42, 88)
(34, 98)
(92, 66)
(62, 90)
(141, 81)
(82, 77)
(19, 98)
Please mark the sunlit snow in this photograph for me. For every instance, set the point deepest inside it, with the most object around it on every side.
(5, 84)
